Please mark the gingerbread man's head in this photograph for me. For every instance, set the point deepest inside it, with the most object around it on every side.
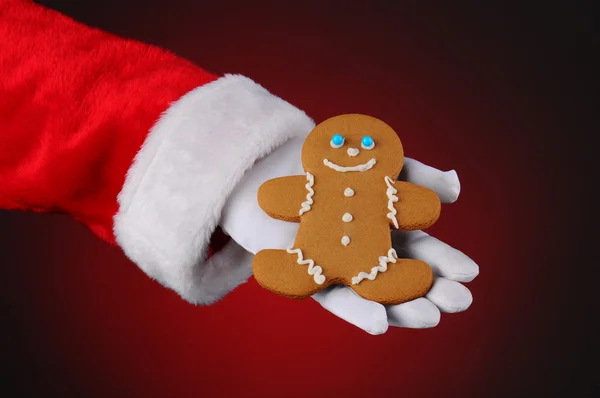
(353, 144)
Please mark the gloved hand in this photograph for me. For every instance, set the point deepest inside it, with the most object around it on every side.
(250, 227)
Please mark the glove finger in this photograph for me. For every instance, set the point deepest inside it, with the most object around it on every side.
(445, 260)
(445, 183)
(449, 296)
(416, 314)
(344, 303)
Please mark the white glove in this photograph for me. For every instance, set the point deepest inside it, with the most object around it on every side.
(246, 223)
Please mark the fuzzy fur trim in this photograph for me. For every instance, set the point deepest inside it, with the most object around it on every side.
(179, 181)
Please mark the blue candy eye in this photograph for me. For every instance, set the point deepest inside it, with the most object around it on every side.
(367, 142)
(337, 141)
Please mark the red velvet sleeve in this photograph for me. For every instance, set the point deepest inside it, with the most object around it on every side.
(76, 104)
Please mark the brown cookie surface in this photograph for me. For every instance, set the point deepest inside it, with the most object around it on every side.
(346, 204)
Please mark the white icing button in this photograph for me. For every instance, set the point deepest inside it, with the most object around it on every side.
(347, 217)
(348, 192)
(345, 241)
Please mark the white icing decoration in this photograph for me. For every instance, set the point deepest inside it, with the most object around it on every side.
(348, 192)
(391, 191)
(345, 240)
(353, 152)
(306, 204)
(360, 167)
(382, 267)
(313, 269)
(347, 217)
(337, 146)
(368, 147)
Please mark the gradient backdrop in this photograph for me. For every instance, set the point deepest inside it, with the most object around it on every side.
(496, 92)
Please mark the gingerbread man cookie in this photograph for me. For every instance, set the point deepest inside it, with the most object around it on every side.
(346, 204)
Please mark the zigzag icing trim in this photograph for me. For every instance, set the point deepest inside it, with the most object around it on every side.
(313, 269)
(391, 191)
(306, 204)
(382, 267)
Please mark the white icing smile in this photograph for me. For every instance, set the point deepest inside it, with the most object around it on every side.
(342, 169)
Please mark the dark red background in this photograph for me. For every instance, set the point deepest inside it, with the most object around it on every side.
(496, 92)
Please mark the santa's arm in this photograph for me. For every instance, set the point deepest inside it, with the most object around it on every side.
(416, 207)
(287, 198)
(140, 145)
(76, 104)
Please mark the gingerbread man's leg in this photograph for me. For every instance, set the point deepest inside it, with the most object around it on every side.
(280, 272)
(403, 280)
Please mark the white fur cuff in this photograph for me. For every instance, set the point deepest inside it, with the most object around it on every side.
(180, 179)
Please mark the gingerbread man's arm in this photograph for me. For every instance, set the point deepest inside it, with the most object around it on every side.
(417, 207)
(285, 197)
